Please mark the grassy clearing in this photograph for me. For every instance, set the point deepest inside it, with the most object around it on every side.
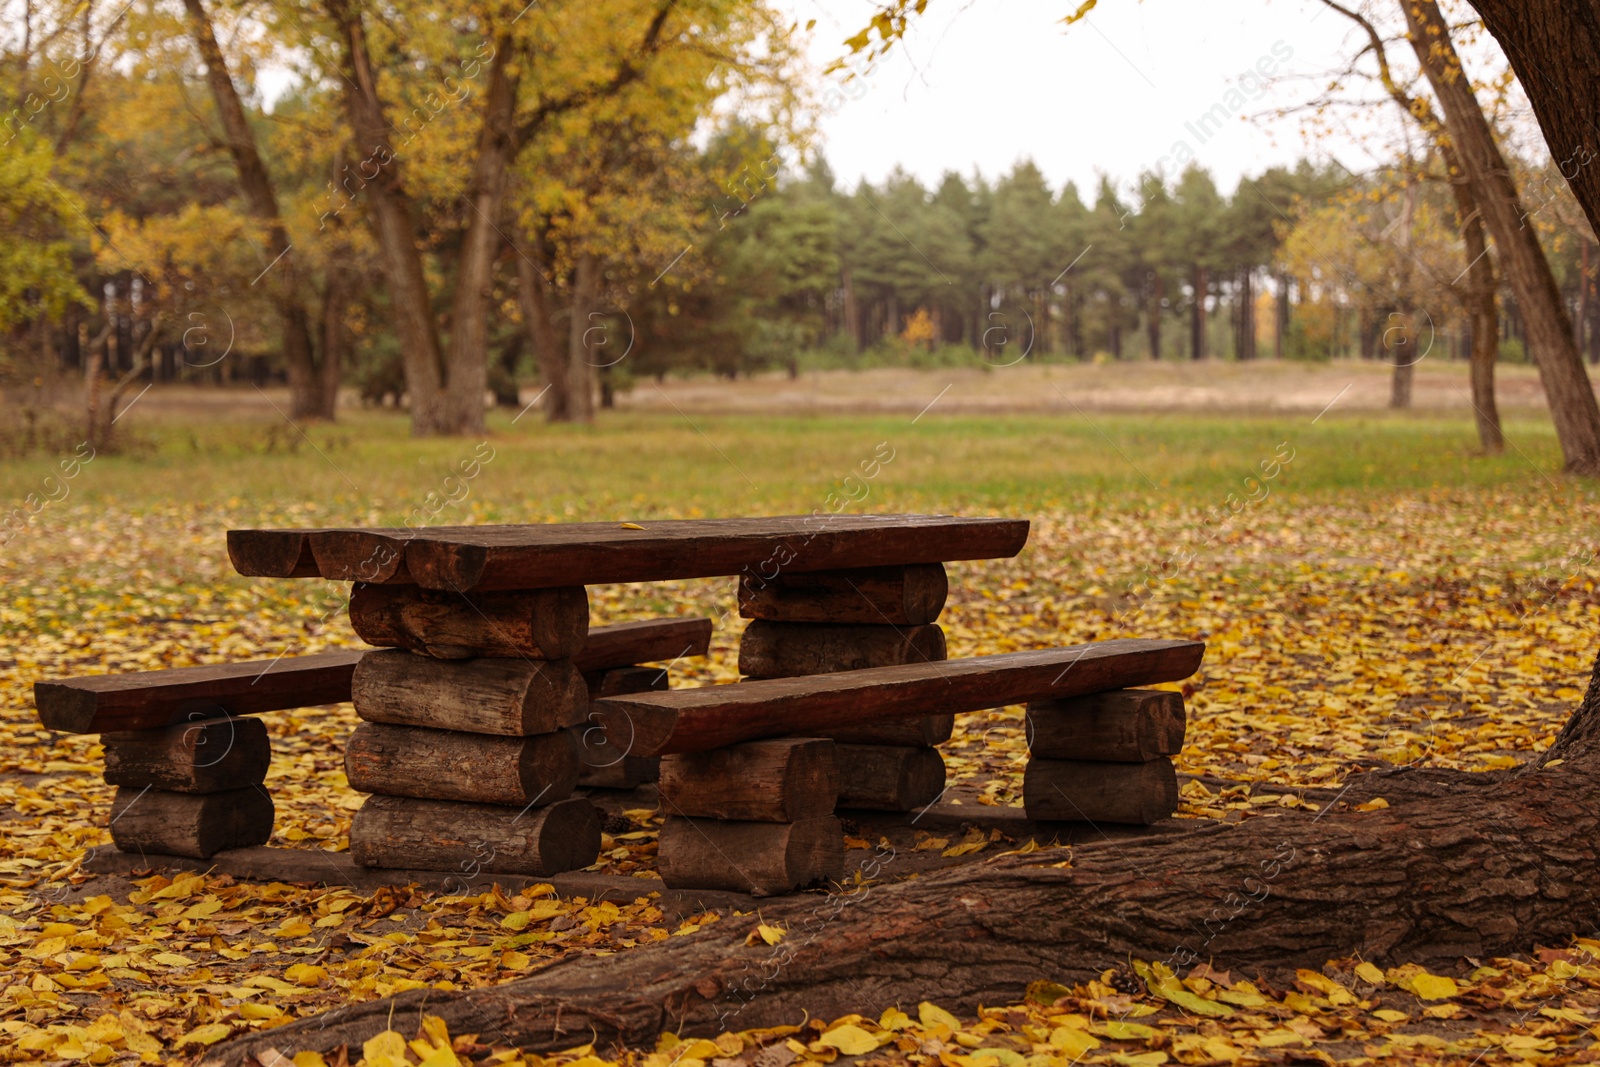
(367, 468)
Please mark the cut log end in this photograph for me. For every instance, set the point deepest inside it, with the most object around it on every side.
(789, 649)
(1136, 794)
(760, 858)
(272, 553)
(889, 778)
(763, 781)
(1124, 726)
(196, 825)
(411, 761)
(443, 835)
(360, 556)
(210, 756)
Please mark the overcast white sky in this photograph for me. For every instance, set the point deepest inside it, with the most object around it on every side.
(983, 83)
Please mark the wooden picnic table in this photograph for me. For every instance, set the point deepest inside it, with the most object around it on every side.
(497, 614)
(489, 699)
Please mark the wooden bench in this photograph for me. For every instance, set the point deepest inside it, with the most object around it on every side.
(149, 700)
(750, 779)
(189, 768)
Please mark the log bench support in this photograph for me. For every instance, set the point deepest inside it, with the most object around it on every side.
(758, 817)
(504, 735)
(1104, 758)
(190, 790)
(827, 621)
(754, 818)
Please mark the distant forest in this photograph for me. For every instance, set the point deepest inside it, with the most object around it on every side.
(429, 216)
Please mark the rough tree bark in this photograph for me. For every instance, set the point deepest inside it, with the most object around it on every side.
(1561, 371)
(1458, 865)
(1246, 321)
(310, 394)
(1554, 48)
(1400, 344)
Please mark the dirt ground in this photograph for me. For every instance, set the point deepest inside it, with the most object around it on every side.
(1266, 386)
(1263, 386)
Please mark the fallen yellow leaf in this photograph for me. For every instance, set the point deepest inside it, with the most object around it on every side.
(850, 1040)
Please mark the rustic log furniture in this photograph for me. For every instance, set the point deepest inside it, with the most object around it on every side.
(486, 704)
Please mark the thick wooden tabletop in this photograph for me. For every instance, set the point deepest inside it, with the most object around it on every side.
(463, 558)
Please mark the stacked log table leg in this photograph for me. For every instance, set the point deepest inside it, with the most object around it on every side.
(754, 818)
(469, 741)
(1104, 757)
(826, 621)
(190, 790)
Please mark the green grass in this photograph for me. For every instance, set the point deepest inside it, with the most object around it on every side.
(367, 468)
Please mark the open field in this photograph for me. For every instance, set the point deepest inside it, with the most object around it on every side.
(1261, 387)
(1371, 591)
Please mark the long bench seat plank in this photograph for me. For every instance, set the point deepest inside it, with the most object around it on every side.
(715, 716)
(465, 558)
(152, 699)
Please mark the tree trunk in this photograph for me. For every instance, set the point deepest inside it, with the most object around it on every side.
(549, 351)
(1405, 360)
(1459, 864)
(1197, 315)
(580, 362)
(852, 312)
(1041, 328)
(1281, 331)
(1247, 315)
(1561, 371)
(412, 306)
(467, 368)
(1580, 314)
(307, 397)
(1482, 319)
(1153, 316)
(1554, 47)
(335, 338)
(93, 365)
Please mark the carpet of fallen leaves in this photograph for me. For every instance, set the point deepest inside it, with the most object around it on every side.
(1449, 629)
